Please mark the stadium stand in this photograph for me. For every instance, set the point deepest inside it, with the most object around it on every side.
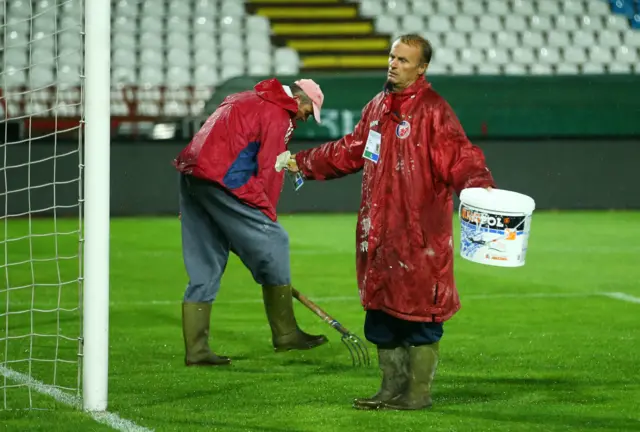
(178, 50)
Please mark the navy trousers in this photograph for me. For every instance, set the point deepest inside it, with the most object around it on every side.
(389, 332)
(214, 223)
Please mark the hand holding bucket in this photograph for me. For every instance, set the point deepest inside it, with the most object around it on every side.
(495, 226)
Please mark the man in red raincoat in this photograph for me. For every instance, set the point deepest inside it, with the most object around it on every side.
(414, 154)
(229, 189)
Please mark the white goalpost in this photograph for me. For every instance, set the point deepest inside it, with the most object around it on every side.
(97, 208)
(54, 190)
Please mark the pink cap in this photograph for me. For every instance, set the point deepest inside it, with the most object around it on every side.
(315, 94)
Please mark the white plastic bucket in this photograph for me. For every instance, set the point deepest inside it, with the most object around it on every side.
(495, 226)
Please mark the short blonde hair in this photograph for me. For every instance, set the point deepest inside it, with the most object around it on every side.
(413, 39)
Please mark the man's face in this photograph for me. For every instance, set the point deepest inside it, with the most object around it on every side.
(305, 110)
(405, 65)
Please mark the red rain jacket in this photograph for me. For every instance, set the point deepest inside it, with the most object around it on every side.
(238, 145)
(404, 243)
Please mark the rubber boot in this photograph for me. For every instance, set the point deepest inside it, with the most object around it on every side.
(394, 365)
(196, 319)
(285, 333)
(423, 361)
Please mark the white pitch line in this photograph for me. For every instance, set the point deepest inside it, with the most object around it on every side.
(622, 296)
(355, 299)
(340, 299)
(112, 420)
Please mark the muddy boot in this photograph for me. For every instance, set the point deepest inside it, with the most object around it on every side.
(285, 333)
(423, 361)
(394, 365)
(195, 329)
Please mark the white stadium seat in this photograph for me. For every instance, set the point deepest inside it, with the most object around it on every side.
(184, 42)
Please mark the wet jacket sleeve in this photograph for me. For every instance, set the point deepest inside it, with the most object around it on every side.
(456, 160)
(338, 158)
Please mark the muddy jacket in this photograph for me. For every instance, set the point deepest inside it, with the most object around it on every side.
(404, 255)
(238, 144)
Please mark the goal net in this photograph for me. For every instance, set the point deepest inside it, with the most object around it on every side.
(42, 238)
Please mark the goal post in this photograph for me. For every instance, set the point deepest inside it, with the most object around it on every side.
(95, 356)
(55, 136)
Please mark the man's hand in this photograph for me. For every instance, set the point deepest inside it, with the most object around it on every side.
(292, 165)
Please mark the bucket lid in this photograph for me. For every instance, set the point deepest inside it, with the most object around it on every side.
(498, 200)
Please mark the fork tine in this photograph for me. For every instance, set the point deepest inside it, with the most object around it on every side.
(362, 349)
(357, 349)
(344, 340)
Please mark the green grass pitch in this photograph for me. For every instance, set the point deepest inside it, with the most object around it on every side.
(536, 348)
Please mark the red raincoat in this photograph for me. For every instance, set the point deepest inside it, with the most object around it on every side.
(404, 244)
(238, 145)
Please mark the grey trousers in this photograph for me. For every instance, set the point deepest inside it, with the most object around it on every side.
(214, 222)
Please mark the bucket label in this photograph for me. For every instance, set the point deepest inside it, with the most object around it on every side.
(491, 238)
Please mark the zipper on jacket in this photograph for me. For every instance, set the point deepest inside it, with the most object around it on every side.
(435, 302)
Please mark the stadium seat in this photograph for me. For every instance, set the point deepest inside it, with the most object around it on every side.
(438, 23)
(70, 57)
(422, 8)
(68, 75)
(259, 42)
(175, 108)
(205, 8)
(151, 76)
(472, 8)
(558, 39)
(123, 23)
(548, 8)
(488, 69)
(412, 23)
(447, 8)
(231, 24)
(256, 24)
(123, 76)
(456, 40)
(151, 24)
(178, 24)
(126, 8)
(178, 76)
(515, 69)
(532, 39)
(498, 56)
(185, 42)
(397, 8)
(41, 76)
(154, 9)
(179, 8)
(178, 40)
(567, 69)
(259, 69)
(371, 8)
(17, 57)
(232, 8)
(231, 41)
(482, 40)
(205, 75)
(231, 71)
(14, 76)
(490, 23)
(548, 56)
(520, 7)
(232, 57)
(152, 58)
(574, 55)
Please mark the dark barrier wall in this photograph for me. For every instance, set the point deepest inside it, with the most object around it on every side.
(490, 107)
(557, 174)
